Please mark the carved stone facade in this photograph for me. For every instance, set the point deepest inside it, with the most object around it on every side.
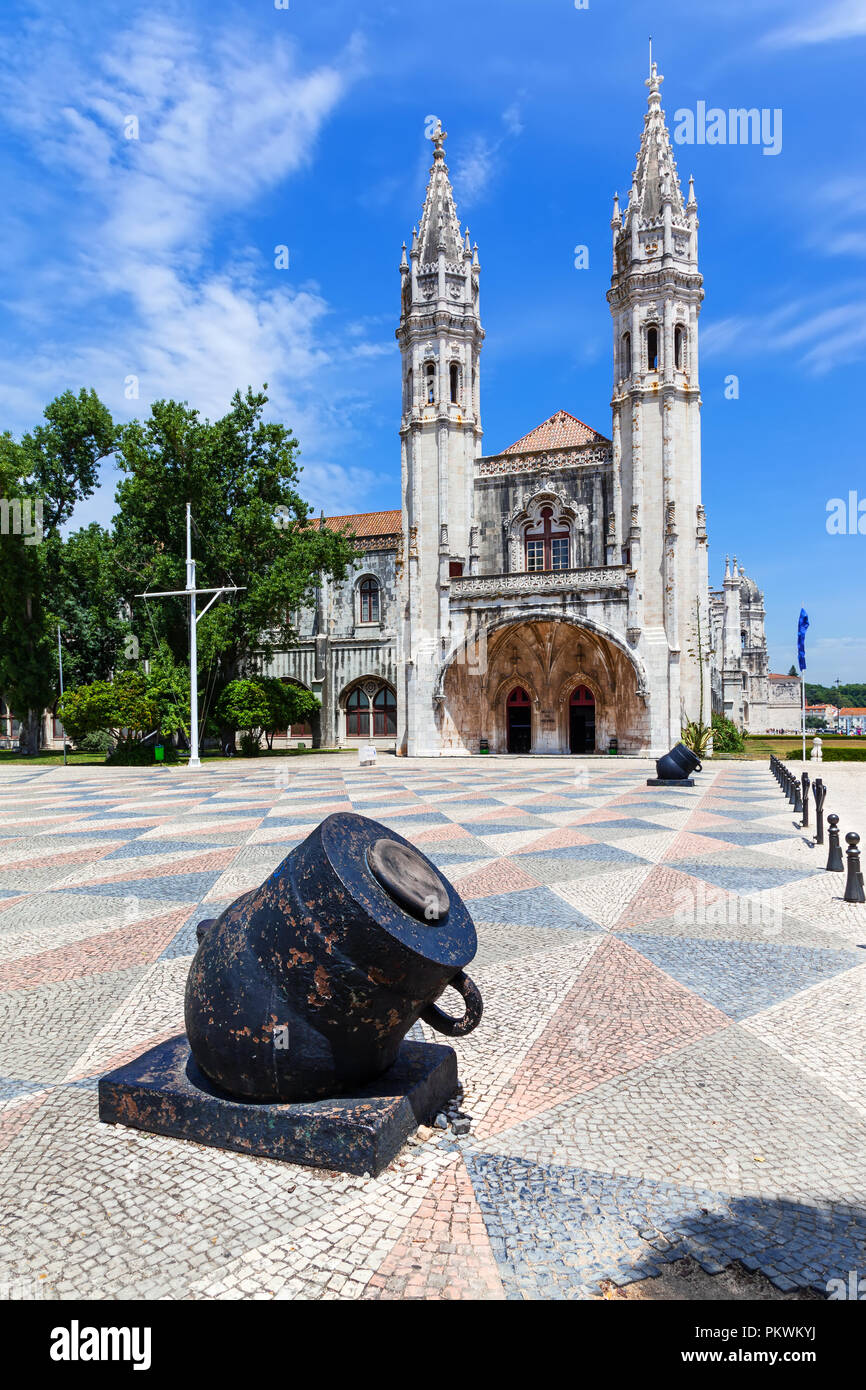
(744, 689)
(547, 598)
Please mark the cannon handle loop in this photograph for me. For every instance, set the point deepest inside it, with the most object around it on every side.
(699, 768)
(457, 1027)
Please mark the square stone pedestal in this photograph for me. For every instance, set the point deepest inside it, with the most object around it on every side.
(670, 781)
(164, 1092)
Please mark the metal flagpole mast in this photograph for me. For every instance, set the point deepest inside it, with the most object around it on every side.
(803, 691)
(60, 659)
(194, 760)
(192, 593)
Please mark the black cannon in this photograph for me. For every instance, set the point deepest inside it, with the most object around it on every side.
(309, 984)
(298, 1002)
(676, 767)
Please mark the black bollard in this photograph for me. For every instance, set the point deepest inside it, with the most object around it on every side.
(798, 800)
(835, 862)
(805, 779)
(792, 795)
(820, 792)
(854, 886)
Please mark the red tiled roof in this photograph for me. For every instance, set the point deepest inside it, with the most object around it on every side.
(774, 677)
(364, 523)
(561, 431)
(854, 710)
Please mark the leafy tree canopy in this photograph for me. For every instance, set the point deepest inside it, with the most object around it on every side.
(123, 706)
(240, 473)
(843, 696)
(51, 469)
(132, 705)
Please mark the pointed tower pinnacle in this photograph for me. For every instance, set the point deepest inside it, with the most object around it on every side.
(440, 226)
(656, 178)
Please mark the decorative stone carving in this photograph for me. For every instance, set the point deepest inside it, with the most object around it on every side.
(546, 582)
(590, 455)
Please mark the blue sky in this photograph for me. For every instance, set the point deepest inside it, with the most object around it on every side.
(258, 127)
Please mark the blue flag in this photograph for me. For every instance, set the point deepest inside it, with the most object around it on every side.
(801, 638)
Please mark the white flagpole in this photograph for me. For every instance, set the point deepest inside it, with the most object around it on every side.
(60, 659)
(192, 593)
(193, 647)
(803, 689)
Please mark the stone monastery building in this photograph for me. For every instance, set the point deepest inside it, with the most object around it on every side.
(554, 596)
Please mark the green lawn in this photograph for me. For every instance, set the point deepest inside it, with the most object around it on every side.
(51, 758)
(47, 758)
(762, 745)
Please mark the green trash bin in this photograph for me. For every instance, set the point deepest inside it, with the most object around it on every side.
(613, 747)
(159, 753)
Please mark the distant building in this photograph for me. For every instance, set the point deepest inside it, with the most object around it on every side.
(829, 713)
(744, 688)
(852, 721)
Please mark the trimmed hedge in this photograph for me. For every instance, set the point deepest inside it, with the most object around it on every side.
(831, 755)
(138, 755)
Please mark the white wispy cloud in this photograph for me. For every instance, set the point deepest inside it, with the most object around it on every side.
(828, 658)
(222, 119)
(820, 330)
(478, 160)
(816, 24)
(839, 213)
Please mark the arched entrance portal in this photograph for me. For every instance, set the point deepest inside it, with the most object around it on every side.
(549, 660)
(518, 709)
(582, 720)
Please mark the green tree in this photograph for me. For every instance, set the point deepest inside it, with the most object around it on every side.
(243, 705)
(288, 704)
(123, 706)
(50, 470)
(852, 696)
(95, 628)
(240, 473)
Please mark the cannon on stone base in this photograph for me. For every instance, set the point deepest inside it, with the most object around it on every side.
(298, 1002)
(675, 768)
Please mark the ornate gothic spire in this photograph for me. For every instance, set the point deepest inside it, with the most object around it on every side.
(439, 224)
(655, 181)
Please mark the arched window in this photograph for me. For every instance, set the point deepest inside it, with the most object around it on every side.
(680, 347)
(358, 715)
(455, 383)
(626, 354)
(368, 591)
(546, 548)
(385, 713)
(652, 348)
(430, 382)
(410, 390)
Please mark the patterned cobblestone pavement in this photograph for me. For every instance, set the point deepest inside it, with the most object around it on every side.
(671, 1060)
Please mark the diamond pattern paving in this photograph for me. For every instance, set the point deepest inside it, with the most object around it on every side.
(670, 1062)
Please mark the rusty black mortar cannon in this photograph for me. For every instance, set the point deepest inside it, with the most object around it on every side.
(309, 984)
(298, 1002)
